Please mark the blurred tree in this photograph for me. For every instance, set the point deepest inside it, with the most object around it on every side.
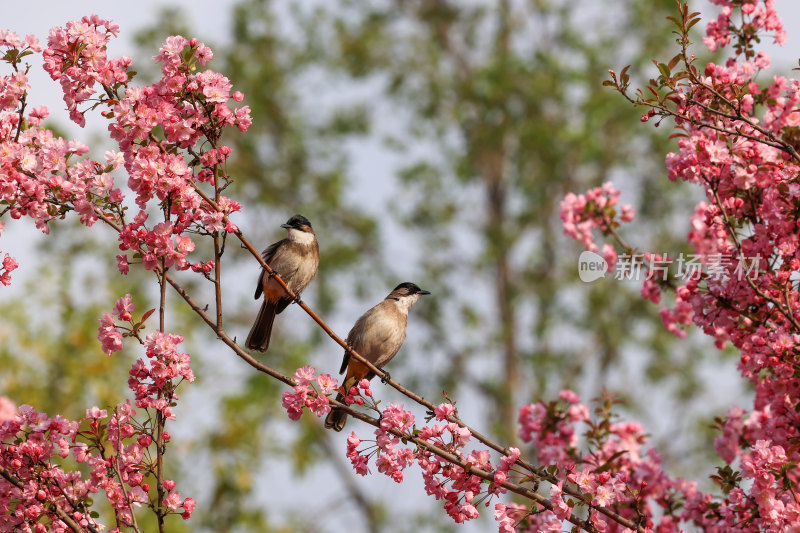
(498, 112)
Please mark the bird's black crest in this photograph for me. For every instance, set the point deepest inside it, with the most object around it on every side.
(297, 222)
(412, 288)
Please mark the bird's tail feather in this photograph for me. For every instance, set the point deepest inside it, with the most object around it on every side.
(336, 418)
(258, 339)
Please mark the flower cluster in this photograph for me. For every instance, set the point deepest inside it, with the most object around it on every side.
(359, 394)
(34, 452)
(14, 86)
(444, 480)
(168, 135)
(581, 213)
(110, 335)
(738, 133)
(614, 463)
(391, 460)
(756, 17)
(35, 178)
(464, 480)
(76, 56)
(118, 449)
(31, 447)
(123, 475)
(188, 108)
(310, 392)
(614, 471)
(8, 265)
(154, 384)
(551, 427)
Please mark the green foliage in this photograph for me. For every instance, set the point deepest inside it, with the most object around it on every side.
(506, 100)
(49, 352)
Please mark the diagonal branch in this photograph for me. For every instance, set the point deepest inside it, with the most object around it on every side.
(452, 458)
(378, 372)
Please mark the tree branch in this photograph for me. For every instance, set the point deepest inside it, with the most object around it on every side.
(226, 339)
(62, 514)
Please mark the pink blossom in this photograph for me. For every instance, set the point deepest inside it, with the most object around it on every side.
(173, 500)
(124, 307)
(188, 508)
(327, 384)
(444, 410)
(395, 416)
(569, 396)
(95, 413)
(304, 374)
(122, 263)
(108, 335)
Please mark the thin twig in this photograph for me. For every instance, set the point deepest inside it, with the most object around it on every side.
(62, 514)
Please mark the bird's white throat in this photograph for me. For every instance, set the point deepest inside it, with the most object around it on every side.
(404, 303)
(301, 237)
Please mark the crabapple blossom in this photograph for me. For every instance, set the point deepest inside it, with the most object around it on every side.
(736, 130)
(158, 128)
(310, 392)
(580, 213)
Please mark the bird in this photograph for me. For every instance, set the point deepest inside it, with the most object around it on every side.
(377, 336)
(296, 260)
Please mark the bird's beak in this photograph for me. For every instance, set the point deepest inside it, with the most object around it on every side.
(424, 292)
(287, 226)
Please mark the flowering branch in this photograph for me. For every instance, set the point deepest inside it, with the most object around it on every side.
(747, 164)
(62, 515)
(738, 140)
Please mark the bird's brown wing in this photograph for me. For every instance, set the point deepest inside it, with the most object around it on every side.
(345, 359)
(268, 254)
(352, 340)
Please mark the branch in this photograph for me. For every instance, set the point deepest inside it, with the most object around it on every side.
(62, 514)
(471, 469)
(377, 371)
(225, 338)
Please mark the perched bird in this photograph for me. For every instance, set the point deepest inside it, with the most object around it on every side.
(376, 336)
(295, 259)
